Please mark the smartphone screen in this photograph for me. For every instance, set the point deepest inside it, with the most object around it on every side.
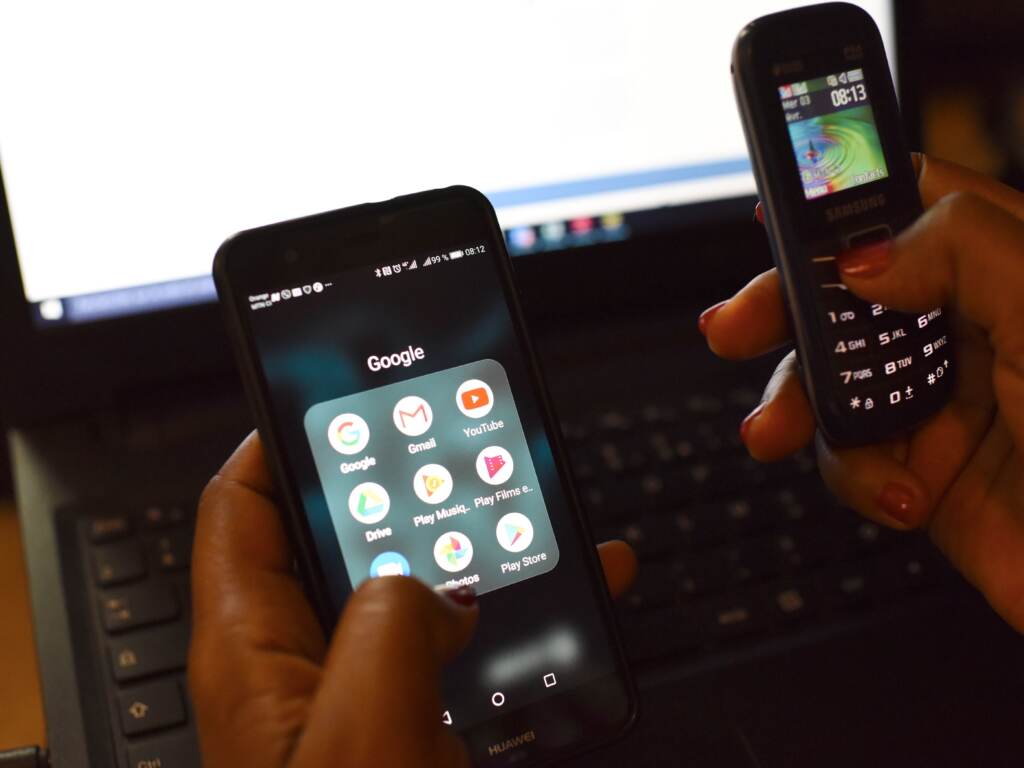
(408, 411)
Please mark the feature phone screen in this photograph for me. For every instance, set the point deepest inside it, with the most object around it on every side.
(408, 416)
(833, 132)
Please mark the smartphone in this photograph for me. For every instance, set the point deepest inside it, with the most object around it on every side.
(386, 359)
(822, 125)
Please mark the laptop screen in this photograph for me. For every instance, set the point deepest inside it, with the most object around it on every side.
(134, 138)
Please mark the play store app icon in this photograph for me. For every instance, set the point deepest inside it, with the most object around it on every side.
(515, 532)
(369, 503)
(432, 484)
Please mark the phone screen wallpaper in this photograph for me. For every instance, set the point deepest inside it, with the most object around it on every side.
(833, 133)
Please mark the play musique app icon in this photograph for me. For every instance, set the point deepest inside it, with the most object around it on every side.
(369, 503)
(453, 551)
(413, 416)
(494, 465)
(432, 484)
(348, 434)
(515, 532)
(474, 398)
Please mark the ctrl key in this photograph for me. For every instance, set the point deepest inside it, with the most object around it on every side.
(179, 751)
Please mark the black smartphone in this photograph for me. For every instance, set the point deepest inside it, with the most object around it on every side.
(387, 362)
(823, 129)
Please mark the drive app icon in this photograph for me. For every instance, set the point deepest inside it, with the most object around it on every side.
(474, 398)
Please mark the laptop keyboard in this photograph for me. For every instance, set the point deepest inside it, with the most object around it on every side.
(137, 597)
(732, 552)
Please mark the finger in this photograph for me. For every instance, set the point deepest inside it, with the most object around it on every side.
(384, 666)
(938, 178)
(751, 323)
(255, 639)
(874, 481)
(964, 252)
(783, 423)
(619, 563)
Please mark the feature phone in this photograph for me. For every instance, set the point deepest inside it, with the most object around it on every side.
(822, 124)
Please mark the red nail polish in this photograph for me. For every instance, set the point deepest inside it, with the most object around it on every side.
(759, 213)
(464, 596)
(705, 316)
(745, 424)
(870, 261)
(897, 501)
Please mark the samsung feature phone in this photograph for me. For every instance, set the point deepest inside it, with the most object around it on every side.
(822, 126)
(386, 359)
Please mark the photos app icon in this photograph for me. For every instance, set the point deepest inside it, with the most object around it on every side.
(453, 551)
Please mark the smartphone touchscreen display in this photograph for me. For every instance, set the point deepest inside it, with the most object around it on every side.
(407, 411)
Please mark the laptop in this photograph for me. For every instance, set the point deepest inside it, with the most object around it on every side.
(768, 626)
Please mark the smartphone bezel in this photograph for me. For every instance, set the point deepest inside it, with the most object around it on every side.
(301, 250)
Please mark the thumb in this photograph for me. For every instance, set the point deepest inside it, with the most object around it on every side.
(380, 699)
(967, 254)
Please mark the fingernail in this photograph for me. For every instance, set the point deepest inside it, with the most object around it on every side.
(464, 596)
(869, 261)
(759, 213)
(751, 418)
(706, 315)
(897, 501)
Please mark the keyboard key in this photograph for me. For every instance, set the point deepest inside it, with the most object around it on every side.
(118, 563)
(792, 602)
(149, 652)
(732, 617)
(108, 528)
(163, 516)
(655, 587)
(172, 551)
(138, 606)
(151, 707)
(177, 751)
(853, 588)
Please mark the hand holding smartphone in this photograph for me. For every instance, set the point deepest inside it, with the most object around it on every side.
(384, 354)
(822, 124)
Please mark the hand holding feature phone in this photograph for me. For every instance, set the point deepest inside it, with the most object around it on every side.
(822, 124)
(384, 354)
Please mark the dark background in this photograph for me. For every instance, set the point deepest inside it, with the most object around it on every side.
(963, 70)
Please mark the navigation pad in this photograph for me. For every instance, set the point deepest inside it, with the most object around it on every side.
(432, 477)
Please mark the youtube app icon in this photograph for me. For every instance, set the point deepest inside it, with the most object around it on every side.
(474, 398)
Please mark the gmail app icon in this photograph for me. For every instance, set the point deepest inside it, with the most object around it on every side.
(413, 416)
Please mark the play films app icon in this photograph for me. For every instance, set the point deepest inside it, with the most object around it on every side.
(494, 465)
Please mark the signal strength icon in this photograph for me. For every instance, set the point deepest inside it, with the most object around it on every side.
(412, 265)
